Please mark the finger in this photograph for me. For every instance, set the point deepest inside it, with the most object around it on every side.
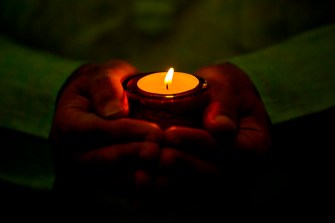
(119, 167)
(184, 162)
(180, 170)
(221, 113)
(107, 94)
(129, 154)
(98, 87)
(194, 141)
(253, 135)
(122, 164)
(81, 131)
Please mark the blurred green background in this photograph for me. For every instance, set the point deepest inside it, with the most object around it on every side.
(154, 35)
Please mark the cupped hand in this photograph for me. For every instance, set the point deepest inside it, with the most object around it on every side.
(236, 132)
(93, 141)
(236, 115)
(231, 147)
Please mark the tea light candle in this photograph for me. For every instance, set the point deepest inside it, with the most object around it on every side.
(167, 98)
(174, 82)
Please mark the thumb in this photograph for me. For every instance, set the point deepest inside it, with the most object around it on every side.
(108, 97)
(221, 113)
(219, 119)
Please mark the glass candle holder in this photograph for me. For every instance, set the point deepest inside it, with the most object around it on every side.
(181, 109)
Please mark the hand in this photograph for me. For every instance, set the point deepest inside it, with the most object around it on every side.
(235, 121)
(235, 113)
(238, 120)
(94, 143)
(235, 139)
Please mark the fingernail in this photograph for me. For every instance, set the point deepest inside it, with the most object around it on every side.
(225, 122)
(112, 109)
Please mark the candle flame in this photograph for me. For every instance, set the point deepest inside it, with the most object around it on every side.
(168, 78)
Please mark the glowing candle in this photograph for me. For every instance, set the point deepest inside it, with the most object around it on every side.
(167, 98)
(167, 83)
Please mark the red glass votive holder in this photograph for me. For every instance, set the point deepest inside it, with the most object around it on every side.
(182, 109)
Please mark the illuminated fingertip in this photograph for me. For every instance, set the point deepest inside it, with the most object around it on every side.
(172, 128)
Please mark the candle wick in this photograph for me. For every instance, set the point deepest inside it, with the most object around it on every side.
(167, 87)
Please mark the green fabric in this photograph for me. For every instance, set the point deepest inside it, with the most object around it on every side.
(296, 77)
(30, 80)
(29, 84)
